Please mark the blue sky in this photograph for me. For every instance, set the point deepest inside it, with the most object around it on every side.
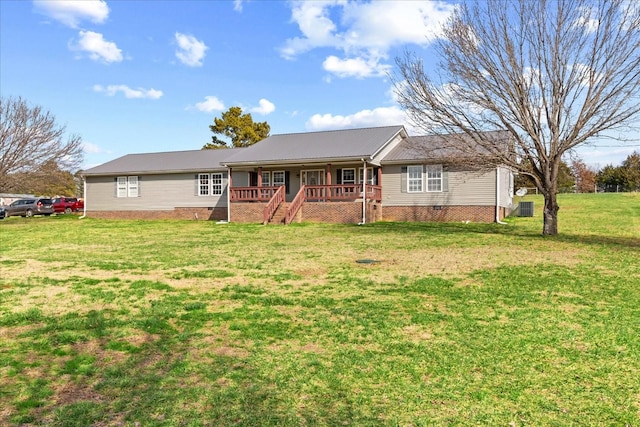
(146, 76)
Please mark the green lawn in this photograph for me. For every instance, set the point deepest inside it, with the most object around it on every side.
(192, 323)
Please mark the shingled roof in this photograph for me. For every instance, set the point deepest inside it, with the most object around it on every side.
(172, 161)
(337, 145)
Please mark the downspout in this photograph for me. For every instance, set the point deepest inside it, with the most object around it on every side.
(498, 197)
(84, 196)
(364, 192)
(229, 182)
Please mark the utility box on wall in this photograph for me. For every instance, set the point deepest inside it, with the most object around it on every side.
(525, 209)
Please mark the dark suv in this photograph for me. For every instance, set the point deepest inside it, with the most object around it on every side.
(30, 207)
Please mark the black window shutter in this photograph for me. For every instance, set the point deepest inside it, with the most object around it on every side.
(139, 186)
(403, 179)
(445, 181)
(286, 182)
(339, 176)
(115, 187)
(197, 189)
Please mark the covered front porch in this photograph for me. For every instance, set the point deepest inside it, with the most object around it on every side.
(275, 195)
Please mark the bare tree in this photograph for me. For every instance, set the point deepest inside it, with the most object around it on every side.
(30, 139)
(553, 73)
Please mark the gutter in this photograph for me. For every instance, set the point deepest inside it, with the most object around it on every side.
(498, 197)
(364, 192)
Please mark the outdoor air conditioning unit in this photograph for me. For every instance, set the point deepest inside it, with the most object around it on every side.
(525, 209)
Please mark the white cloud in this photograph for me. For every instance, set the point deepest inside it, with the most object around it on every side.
(265, 107)
(357, 67)
(97, 47)
(382, 116)
(210, 104)
(72, 12)
(93, 148)
(237, 5)
(191, 51)
(363, 32)
(138, 93)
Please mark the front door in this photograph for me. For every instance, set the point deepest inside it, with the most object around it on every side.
(313, 177)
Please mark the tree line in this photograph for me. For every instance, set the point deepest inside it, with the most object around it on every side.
(578, 177)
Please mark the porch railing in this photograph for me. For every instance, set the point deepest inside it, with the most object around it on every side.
(341, 192)
(252, 194)
(274, 203)
(374, 192)
(295, 205)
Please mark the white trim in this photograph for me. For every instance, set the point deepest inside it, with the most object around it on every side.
(415, 180)
(350, 181)
(217, 183)
(133, 187)
(204, 184)
(369, 174)
(435, 180)
(278, 183)
(121, 186)
(304, 176)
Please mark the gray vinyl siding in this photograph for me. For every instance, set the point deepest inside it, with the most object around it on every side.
(506, 187)
(464, 188)
(156, 192)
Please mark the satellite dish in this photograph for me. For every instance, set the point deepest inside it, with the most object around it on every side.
(521, 192)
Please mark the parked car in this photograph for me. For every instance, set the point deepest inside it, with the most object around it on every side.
(3, 212)
(30, 207)
(67, 204)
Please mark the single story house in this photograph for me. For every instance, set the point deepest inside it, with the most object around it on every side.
(350, 176)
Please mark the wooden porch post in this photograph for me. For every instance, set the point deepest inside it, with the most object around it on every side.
(328, 169)
(380, 176)
(260, 176)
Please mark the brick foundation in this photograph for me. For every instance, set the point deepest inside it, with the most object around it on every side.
(444, 214)
(330, 212)
(216, 214)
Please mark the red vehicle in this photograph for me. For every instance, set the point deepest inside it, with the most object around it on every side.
(67, 204)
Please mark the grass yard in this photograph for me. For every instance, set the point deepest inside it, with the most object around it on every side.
(192, 323)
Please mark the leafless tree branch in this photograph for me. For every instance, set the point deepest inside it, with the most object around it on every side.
(553, 74)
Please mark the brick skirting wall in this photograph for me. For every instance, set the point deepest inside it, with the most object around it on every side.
(216, 214)
(443, 214)
(332, 212)
(247, 212)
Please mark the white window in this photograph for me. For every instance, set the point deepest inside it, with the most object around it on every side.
(414, 179)
(216, 184)
(209, 184)
(133, 186)
(370, 178)
(122, 186)
(348, 176)
(278, 178)
(266, 179)
(203, 184)
(434, 178)
(127, 186)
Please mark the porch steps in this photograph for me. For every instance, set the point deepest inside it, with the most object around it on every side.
(278, 216)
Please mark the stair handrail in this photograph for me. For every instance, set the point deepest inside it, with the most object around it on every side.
(295, 205)
(273, 205)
